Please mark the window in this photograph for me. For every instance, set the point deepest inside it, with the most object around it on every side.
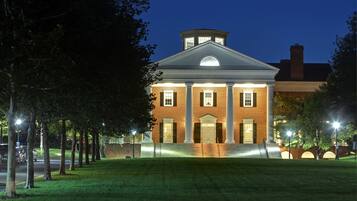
(208, 98)
(168, 98)
(203, 39)
(189, 42)
(209, 61)
(219, 40)
(248, 131)
(248, 99)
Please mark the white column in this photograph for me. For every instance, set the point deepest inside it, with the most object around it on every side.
(270, 94)
(229, 114)
(188, 119)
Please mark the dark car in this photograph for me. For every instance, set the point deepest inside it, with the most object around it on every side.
(20, 154)
(3, 153)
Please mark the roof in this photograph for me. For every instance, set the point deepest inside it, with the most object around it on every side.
(233, 66)
(312, 71)
(229, 59)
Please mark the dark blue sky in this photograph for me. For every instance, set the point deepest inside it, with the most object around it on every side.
(263, 29)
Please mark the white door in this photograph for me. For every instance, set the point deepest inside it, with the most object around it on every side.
(168, 131)
(208, 133)
(247, 131)
(208, 129)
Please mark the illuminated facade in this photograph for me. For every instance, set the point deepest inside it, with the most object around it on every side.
(210, 94)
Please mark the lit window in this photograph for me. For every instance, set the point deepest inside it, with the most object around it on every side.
(248, 131)
(248, 99)
(208, 98)
(189, 42)
(209, 61)
(168, 98)
(168, 130)
(219, 40)
(203, 39)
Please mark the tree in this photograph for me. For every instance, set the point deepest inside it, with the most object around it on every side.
(312, 123)
(341, 85)
(46, 153)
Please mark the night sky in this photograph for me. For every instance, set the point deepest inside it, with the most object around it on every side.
(261, 29)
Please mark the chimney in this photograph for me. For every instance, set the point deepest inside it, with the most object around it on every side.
(297, 62)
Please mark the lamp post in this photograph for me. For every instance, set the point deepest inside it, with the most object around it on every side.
(336, 125)
(289, 134)
(133, 132)
(18, 122)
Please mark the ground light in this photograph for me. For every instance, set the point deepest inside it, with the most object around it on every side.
(336, 125)
(133, 132)
(289, 134)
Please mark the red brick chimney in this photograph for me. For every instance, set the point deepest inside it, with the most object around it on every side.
(297, 62)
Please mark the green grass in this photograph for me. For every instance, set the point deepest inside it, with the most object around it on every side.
(202, 179)
(56, 154)
(350, 158)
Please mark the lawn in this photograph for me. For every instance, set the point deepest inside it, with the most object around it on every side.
(202, 179)
(56, 154)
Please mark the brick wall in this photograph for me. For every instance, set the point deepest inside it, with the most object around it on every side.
(258, 113)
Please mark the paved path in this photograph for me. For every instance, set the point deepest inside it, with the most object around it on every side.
(21, 171)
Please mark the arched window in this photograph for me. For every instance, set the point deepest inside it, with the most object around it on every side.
(209, 61)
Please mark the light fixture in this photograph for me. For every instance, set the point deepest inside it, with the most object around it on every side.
(289, 133)
(336, 125)
(18, 122)
(133, 132)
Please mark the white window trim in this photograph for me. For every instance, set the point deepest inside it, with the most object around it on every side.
(186, 41)
(209, 61)
(220, 38)
(172, 98)
(251, 96)
(204, 98)
(204, 37)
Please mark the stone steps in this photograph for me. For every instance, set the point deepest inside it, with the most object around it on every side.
(215, 150)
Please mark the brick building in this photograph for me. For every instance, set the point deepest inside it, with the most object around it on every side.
(210, 93)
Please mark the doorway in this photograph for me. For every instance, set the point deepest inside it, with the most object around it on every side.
(208, 129)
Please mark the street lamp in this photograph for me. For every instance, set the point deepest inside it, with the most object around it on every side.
(289, 134)
(336, 125)
(18, 122)
(133, 132)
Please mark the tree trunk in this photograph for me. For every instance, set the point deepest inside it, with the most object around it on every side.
(29, 155)
(11, 156)
(86, 143)
(317, 144)
(80, 157)
(93, 146)
(73, 153)
(46, 152)
(97, 147)
(62, 170)
(1, 134)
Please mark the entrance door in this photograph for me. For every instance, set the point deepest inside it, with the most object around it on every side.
(168, 130)
(248, 131)
(208, 129)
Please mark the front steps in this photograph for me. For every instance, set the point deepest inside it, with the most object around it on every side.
(210, 150)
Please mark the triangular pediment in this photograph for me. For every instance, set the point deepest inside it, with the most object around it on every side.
(228, 59)
(208, 118)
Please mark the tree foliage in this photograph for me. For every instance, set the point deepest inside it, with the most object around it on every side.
(341, 87)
